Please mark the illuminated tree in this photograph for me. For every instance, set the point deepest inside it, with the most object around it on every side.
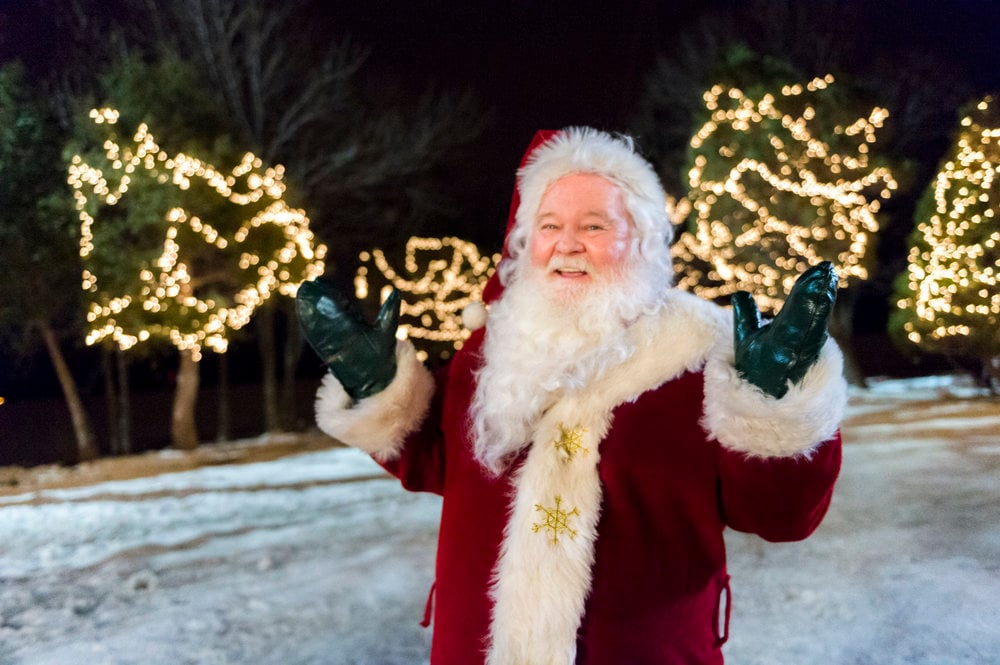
(759, 45)
(177, 249)
(440, 278)
(921, 84)
(39, 292)
(779, 181)
(367, 156)
(948, 301)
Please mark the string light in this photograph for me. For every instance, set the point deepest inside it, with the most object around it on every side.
(442, 277)
(951, 299)
(772, 194)
(167, 299)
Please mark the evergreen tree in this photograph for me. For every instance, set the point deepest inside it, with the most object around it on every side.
(948, 301)
(781, 177)
(39, 261)
(177, 249)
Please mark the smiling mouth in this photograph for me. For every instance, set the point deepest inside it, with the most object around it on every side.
(570, 272)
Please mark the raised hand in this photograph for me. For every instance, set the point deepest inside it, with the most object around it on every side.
(361, 356)
(770, 356)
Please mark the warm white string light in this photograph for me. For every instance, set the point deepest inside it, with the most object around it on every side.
(165, 284)
(793, 200)
(442, 277)
(952, 294)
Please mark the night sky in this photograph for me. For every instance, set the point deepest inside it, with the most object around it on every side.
(553, 64)
(535, 65)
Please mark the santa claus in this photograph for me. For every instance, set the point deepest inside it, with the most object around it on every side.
(595, 438)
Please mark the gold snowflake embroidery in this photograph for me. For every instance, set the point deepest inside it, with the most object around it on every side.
(556, 520)
(570, 441)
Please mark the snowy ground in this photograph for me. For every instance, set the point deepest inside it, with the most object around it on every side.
(318, 559)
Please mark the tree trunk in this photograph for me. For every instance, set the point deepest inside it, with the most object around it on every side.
(110, 400)
(184, 432)
(86, 446)
(124, 404)
(269, 366)
(224, 431)
(293, 351)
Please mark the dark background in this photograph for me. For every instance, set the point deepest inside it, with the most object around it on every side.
(534, 65)
(544, 65)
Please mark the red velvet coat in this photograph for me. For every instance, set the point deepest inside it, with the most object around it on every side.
(647, 582)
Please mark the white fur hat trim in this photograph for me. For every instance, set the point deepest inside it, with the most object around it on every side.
(474, 316)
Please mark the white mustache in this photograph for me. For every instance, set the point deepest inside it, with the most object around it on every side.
(569, 263)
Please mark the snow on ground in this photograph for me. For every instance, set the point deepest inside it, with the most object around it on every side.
(320, 559)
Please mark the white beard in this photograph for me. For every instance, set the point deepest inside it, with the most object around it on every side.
(543, 342)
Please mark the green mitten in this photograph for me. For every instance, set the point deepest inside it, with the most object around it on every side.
(361, 356)
(769, 356)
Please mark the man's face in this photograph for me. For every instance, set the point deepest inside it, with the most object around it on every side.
(582, 232)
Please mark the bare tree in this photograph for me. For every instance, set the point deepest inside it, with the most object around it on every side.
(361, 168)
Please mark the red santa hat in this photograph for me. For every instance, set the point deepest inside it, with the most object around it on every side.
(554, 154)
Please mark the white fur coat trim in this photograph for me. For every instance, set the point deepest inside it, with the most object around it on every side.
(378, 424)
(543, 573)
(745, 418)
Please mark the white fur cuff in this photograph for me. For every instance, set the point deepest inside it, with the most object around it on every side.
(742, 417)
(378, 424)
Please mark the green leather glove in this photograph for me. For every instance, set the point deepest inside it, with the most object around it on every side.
(361, 356)
(769, 356)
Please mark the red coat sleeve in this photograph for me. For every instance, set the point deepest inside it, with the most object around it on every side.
(423, 461)
(420, 466)
(778, 498)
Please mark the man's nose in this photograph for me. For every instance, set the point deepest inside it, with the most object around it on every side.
(569, 241)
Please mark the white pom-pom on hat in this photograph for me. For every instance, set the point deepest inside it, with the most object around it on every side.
(474, 316)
